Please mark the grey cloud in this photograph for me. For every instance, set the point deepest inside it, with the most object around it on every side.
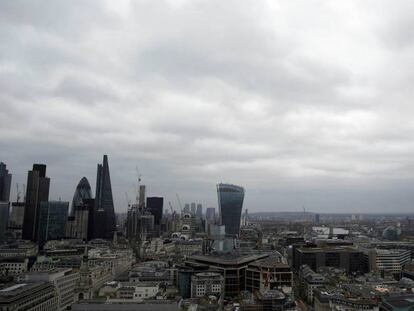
(300, 103)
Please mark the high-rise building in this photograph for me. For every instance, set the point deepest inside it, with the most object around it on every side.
(210, 214)
(155, 207)
(17, 215)
(104, 214)
(80, 224)
(186, 208)
(52, 220)
(230, 202)
(37, 191)
(5, 183)
(193, 208)
(199, 211)
(4, 219)
(83, 191)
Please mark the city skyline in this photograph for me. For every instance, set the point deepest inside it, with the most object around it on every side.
(303, 104)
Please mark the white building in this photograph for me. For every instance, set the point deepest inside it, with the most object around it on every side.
(64, 280)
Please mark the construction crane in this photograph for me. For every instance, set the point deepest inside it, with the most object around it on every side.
(17, 193)
(171, 207)
(138, 184)
(127, 199)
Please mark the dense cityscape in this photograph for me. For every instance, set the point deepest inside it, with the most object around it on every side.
(82, 256)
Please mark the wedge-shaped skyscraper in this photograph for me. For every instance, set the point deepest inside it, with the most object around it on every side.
(104, 214)
(230, 201)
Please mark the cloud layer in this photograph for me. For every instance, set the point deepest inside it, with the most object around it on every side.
(303, 103)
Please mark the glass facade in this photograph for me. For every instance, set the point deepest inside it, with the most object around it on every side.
(83, 191)
(52, 220)
(104, 227)
(230, 201)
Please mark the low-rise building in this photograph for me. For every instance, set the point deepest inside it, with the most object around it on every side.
(206, 284)
(64, 280)
(13, 265)
(29, 296)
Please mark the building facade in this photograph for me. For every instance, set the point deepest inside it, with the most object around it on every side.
(230, 201)
(104, 213)
(52, 220)
(37, 191)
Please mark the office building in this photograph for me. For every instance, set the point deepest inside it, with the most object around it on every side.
(83, 191)
(80, 224)
(231, 265)
(193, 208)
(186, 208)
(64, 281)
(199, 211)
(52, 220)
(155, 207)
(388, 260)
(4, 219)
(29, 296)
(268, 274)
(17, 215)
(347, 258)
(230, 201)
(104, 214)
(5, 183)
(210, 214)
(206, 284)
(37, 191)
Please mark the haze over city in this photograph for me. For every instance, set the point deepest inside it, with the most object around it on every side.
(302, 103)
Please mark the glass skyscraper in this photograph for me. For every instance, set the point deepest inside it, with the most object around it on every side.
(104, 213)
(52, 220)
(37, 190)
(230, 201)
(5, 183)
(83, 191)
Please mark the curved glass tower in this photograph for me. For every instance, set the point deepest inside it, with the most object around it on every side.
(83, 191)
(230, 201)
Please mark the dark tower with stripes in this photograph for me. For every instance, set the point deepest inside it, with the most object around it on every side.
(37, 191)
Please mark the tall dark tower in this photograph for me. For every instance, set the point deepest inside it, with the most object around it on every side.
(230, 201)
(104, 214)
(37, 191)
(155, 207)
(5, 183)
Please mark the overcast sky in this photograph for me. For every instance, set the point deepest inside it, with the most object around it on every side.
(304, 103)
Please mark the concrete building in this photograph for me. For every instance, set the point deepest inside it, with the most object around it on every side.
(64, 280)
(206, 284)
(347, 258)
(28, 296)
(19, 249)
(125, 305)
(13, 265)
(17, 215)
(388, 260)
(311, 281)
(138, 291)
